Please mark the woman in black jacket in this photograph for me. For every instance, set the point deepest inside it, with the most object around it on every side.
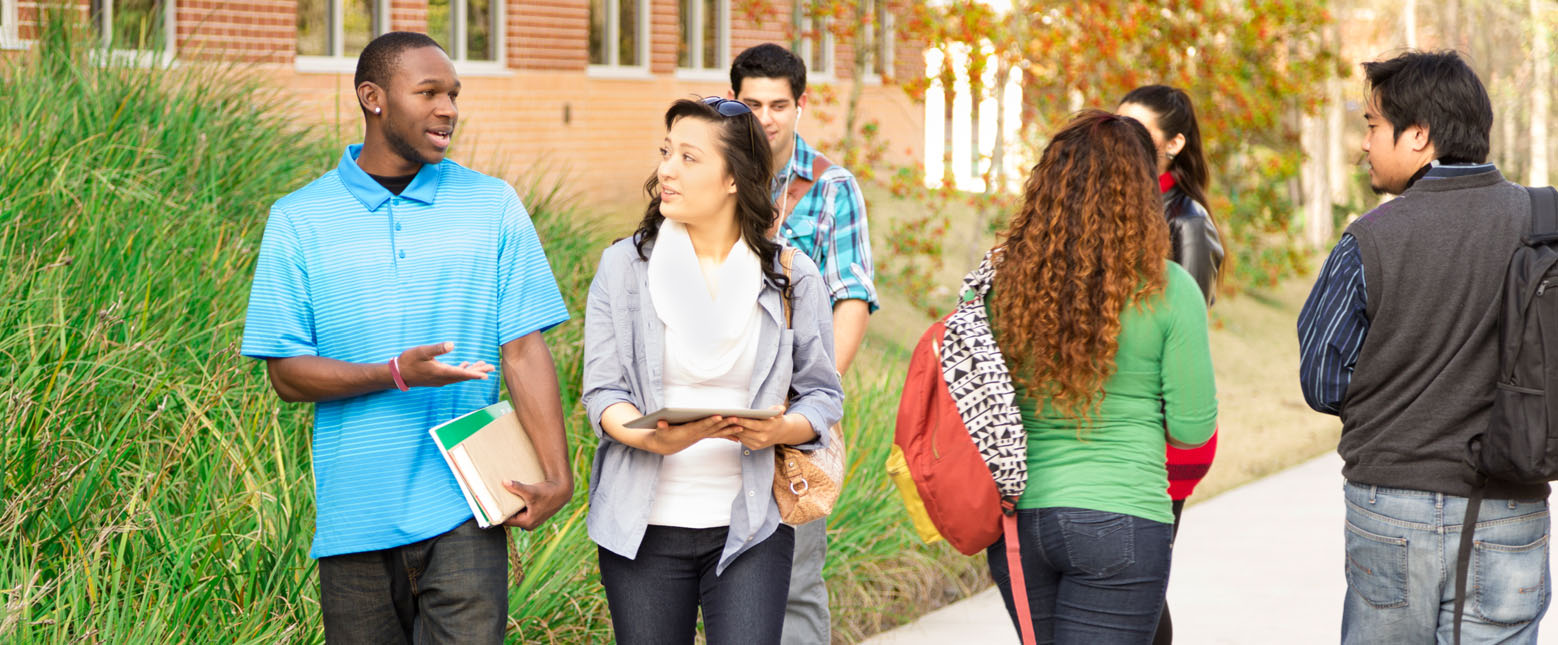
(1171, 120)
(1193, 243)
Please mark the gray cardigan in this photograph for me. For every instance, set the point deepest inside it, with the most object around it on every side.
(624, 350)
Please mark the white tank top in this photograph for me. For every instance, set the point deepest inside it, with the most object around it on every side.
(697, 486)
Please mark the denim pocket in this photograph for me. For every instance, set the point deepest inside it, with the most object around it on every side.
(1377, 568)
(1511, 581)
(1098, 543)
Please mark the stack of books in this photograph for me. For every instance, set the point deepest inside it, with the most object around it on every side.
(484, 449)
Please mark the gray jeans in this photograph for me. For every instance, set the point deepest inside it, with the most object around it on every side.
(450, 588)
(806, 619)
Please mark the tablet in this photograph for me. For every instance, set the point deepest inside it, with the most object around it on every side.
(676, 416)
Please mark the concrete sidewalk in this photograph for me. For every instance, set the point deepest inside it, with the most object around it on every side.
(1258, 564)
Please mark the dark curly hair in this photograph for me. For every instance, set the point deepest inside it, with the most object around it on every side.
(744, 147)
(1089, 240)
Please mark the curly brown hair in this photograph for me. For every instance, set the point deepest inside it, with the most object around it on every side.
(1090, 239)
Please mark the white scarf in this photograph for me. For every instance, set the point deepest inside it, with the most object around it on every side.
(706, 333)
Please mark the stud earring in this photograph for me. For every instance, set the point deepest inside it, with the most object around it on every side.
(377, 110)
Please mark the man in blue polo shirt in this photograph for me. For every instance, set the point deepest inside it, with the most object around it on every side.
(385, 292)
(821, 213)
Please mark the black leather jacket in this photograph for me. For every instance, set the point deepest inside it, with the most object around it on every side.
(1193, 240)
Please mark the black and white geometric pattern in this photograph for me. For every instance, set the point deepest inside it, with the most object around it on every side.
(982, 388)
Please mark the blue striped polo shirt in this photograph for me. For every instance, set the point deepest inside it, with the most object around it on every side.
(351, 272)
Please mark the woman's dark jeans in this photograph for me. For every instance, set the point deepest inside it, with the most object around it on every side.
(654, 598)
(1092, 576)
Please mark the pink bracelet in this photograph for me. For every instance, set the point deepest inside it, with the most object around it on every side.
(394, 365)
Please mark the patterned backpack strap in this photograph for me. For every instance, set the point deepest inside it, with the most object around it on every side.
(981, 386)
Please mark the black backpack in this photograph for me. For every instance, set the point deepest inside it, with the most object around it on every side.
(1521, 442)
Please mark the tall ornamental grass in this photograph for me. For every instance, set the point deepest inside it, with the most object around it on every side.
(152, 488)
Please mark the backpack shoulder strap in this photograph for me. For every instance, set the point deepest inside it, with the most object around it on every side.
(1544, 211)
(787, 260)
(799, 186)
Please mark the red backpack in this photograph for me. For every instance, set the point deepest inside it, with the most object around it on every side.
(959, 455)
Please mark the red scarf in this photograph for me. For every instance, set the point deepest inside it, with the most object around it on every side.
(1165, 182)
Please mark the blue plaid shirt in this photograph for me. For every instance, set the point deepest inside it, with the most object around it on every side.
(829, 226)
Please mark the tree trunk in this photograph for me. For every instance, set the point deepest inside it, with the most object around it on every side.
(976, 97)
(862, 28)
(1541, 76)
(1316, 182)
(797, 19)
(1409, 22)
(1337, 166)
(995, 178)
(949, 93)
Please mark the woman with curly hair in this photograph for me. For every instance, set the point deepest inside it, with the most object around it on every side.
(1106, 343)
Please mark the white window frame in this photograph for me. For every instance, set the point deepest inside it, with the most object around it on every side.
(10, 31)
(808, 42)
(884, 25)
(337, 62)
(497, 66)
(701, 71)
(141, 57)
(613, 28)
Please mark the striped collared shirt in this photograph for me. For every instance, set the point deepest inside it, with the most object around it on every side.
(351, 272)
(1335, 320)
(829, 226)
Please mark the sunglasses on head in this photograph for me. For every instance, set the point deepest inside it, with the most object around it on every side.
(727, 107)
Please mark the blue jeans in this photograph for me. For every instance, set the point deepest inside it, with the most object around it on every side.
(450, 588)
(654, 598)
(1092, 576)
(1401, 556)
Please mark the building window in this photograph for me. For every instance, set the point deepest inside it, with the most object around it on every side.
(9, 36)
(469, 30)
(619, 31)
(703, 34)
(817, 46)
(135, 25)
(881, 40)
(339, 28)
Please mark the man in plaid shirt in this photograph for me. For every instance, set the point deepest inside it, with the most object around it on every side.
(821, 213)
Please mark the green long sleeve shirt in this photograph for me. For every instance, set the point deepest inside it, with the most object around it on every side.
(1162, 379)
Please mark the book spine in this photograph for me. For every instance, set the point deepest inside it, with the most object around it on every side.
(465, 489)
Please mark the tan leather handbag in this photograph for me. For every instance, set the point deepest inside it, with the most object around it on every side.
(807, 484)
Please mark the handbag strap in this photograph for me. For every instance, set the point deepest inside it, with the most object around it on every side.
(792, 469)
(1014, 571)
(787, 260)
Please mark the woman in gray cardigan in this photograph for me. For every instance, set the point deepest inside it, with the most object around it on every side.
(689, 313)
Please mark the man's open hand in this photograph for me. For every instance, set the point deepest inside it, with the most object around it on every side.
(420, 367)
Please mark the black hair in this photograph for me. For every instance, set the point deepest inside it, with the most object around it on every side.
(377, 62)
(744, 147)
(769, 61)
(1437, 90)
(1176, 116)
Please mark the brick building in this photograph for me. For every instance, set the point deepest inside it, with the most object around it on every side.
(569, 86)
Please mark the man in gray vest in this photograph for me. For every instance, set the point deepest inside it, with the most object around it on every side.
(1398, 337)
